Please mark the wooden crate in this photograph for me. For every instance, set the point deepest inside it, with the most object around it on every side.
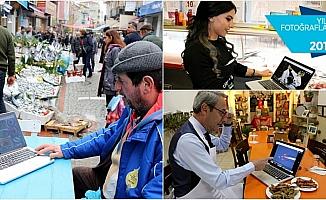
(75, 128)
(51, 125)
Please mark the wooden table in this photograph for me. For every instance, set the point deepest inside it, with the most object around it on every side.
(50, 182)
(256, 189)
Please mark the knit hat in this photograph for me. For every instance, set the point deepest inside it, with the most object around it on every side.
(138, 57)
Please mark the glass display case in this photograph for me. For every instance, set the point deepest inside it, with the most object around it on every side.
(257, 49)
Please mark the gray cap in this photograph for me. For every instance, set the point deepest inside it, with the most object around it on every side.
(138, 57)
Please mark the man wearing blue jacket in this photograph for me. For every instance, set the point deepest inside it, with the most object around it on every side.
(130, 149)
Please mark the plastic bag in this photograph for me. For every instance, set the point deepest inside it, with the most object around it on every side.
(11, 90)
(115, 108)
(92, 194)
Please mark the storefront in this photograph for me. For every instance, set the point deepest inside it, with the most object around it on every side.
(50, 10)
(152, 13)
(40, 20)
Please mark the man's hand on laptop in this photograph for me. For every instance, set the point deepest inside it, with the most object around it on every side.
(260, 164)
(264, 73)
(54, 150)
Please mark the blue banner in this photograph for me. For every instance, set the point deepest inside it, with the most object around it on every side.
(151, 8)
(301, 34)
(309, 11)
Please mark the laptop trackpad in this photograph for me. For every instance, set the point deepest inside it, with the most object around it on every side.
(265, 178)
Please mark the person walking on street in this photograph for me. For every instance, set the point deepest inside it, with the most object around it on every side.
(86, 49)
(132, 34)
(7, 63)
(147, 33)
(107, 80)
(76, 48)
(130, 150)
(94, 51)
(103, 50)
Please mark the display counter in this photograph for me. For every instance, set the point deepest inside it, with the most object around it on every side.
(257, 49)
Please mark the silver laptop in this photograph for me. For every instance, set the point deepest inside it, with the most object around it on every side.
(289, 75)
(283, 166)
(16, 159)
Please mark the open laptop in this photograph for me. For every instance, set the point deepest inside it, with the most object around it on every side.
(16, 159)
(283, 166)
(289, 75)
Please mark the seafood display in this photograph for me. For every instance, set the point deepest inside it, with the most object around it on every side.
(30, 90)
(45, 52)
(38, 51)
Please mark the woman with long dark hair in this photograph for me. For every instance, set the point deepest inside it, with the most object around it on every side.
(208, 57)
(113, 45)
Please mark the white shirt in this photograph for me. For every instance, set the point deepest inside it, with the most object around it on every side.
(190, 153)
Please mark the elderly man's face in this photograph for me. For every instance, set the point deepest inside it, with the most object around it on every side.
(130, 28)
(216, 116)
(132, 94)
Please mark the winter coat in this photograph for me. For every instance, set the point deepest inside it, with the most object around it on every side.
(141, 155)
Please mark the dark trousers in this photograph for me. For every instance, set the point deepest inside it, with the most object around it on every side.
(85, 179)
(93, 61)
(87, 65)
(2, 84)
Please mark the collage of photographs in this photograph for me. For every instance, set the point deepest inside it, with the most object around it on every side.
(147, 99)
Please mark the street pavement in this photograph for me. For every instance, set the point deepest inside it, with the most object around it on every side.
(81, 99)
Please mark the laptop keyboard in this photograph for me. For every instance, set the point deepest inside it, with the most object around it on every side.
(15, 158)
(276, 173)
(269, 85)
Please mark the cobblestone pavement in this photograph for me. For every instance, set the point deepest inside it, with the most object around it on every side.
(81, 99)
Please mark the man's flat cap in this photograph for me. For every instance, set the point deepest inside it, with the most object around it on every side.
(138, 57)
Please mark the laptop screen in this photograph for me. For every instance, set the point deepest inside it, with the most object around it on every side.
(293, 75)
(286, 156)
(11, 136)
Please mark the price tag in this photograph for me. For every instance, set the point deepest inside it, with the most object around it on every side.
(190, 4)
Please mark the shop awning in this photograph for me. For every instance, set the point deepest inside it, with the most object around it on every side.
(24, 3)
(35, 9)
(100, 28)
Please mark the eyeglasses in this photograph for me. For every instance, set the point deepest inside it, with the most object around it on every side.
(223, 112)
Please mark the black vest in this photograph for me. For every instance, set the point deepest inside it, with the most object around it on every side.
(183, 181)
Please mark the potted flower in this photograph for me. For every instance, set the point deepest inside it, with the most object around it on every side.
(308, 95)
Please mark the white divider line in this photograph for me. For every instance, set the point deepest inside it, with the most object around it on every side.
(90, 98)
